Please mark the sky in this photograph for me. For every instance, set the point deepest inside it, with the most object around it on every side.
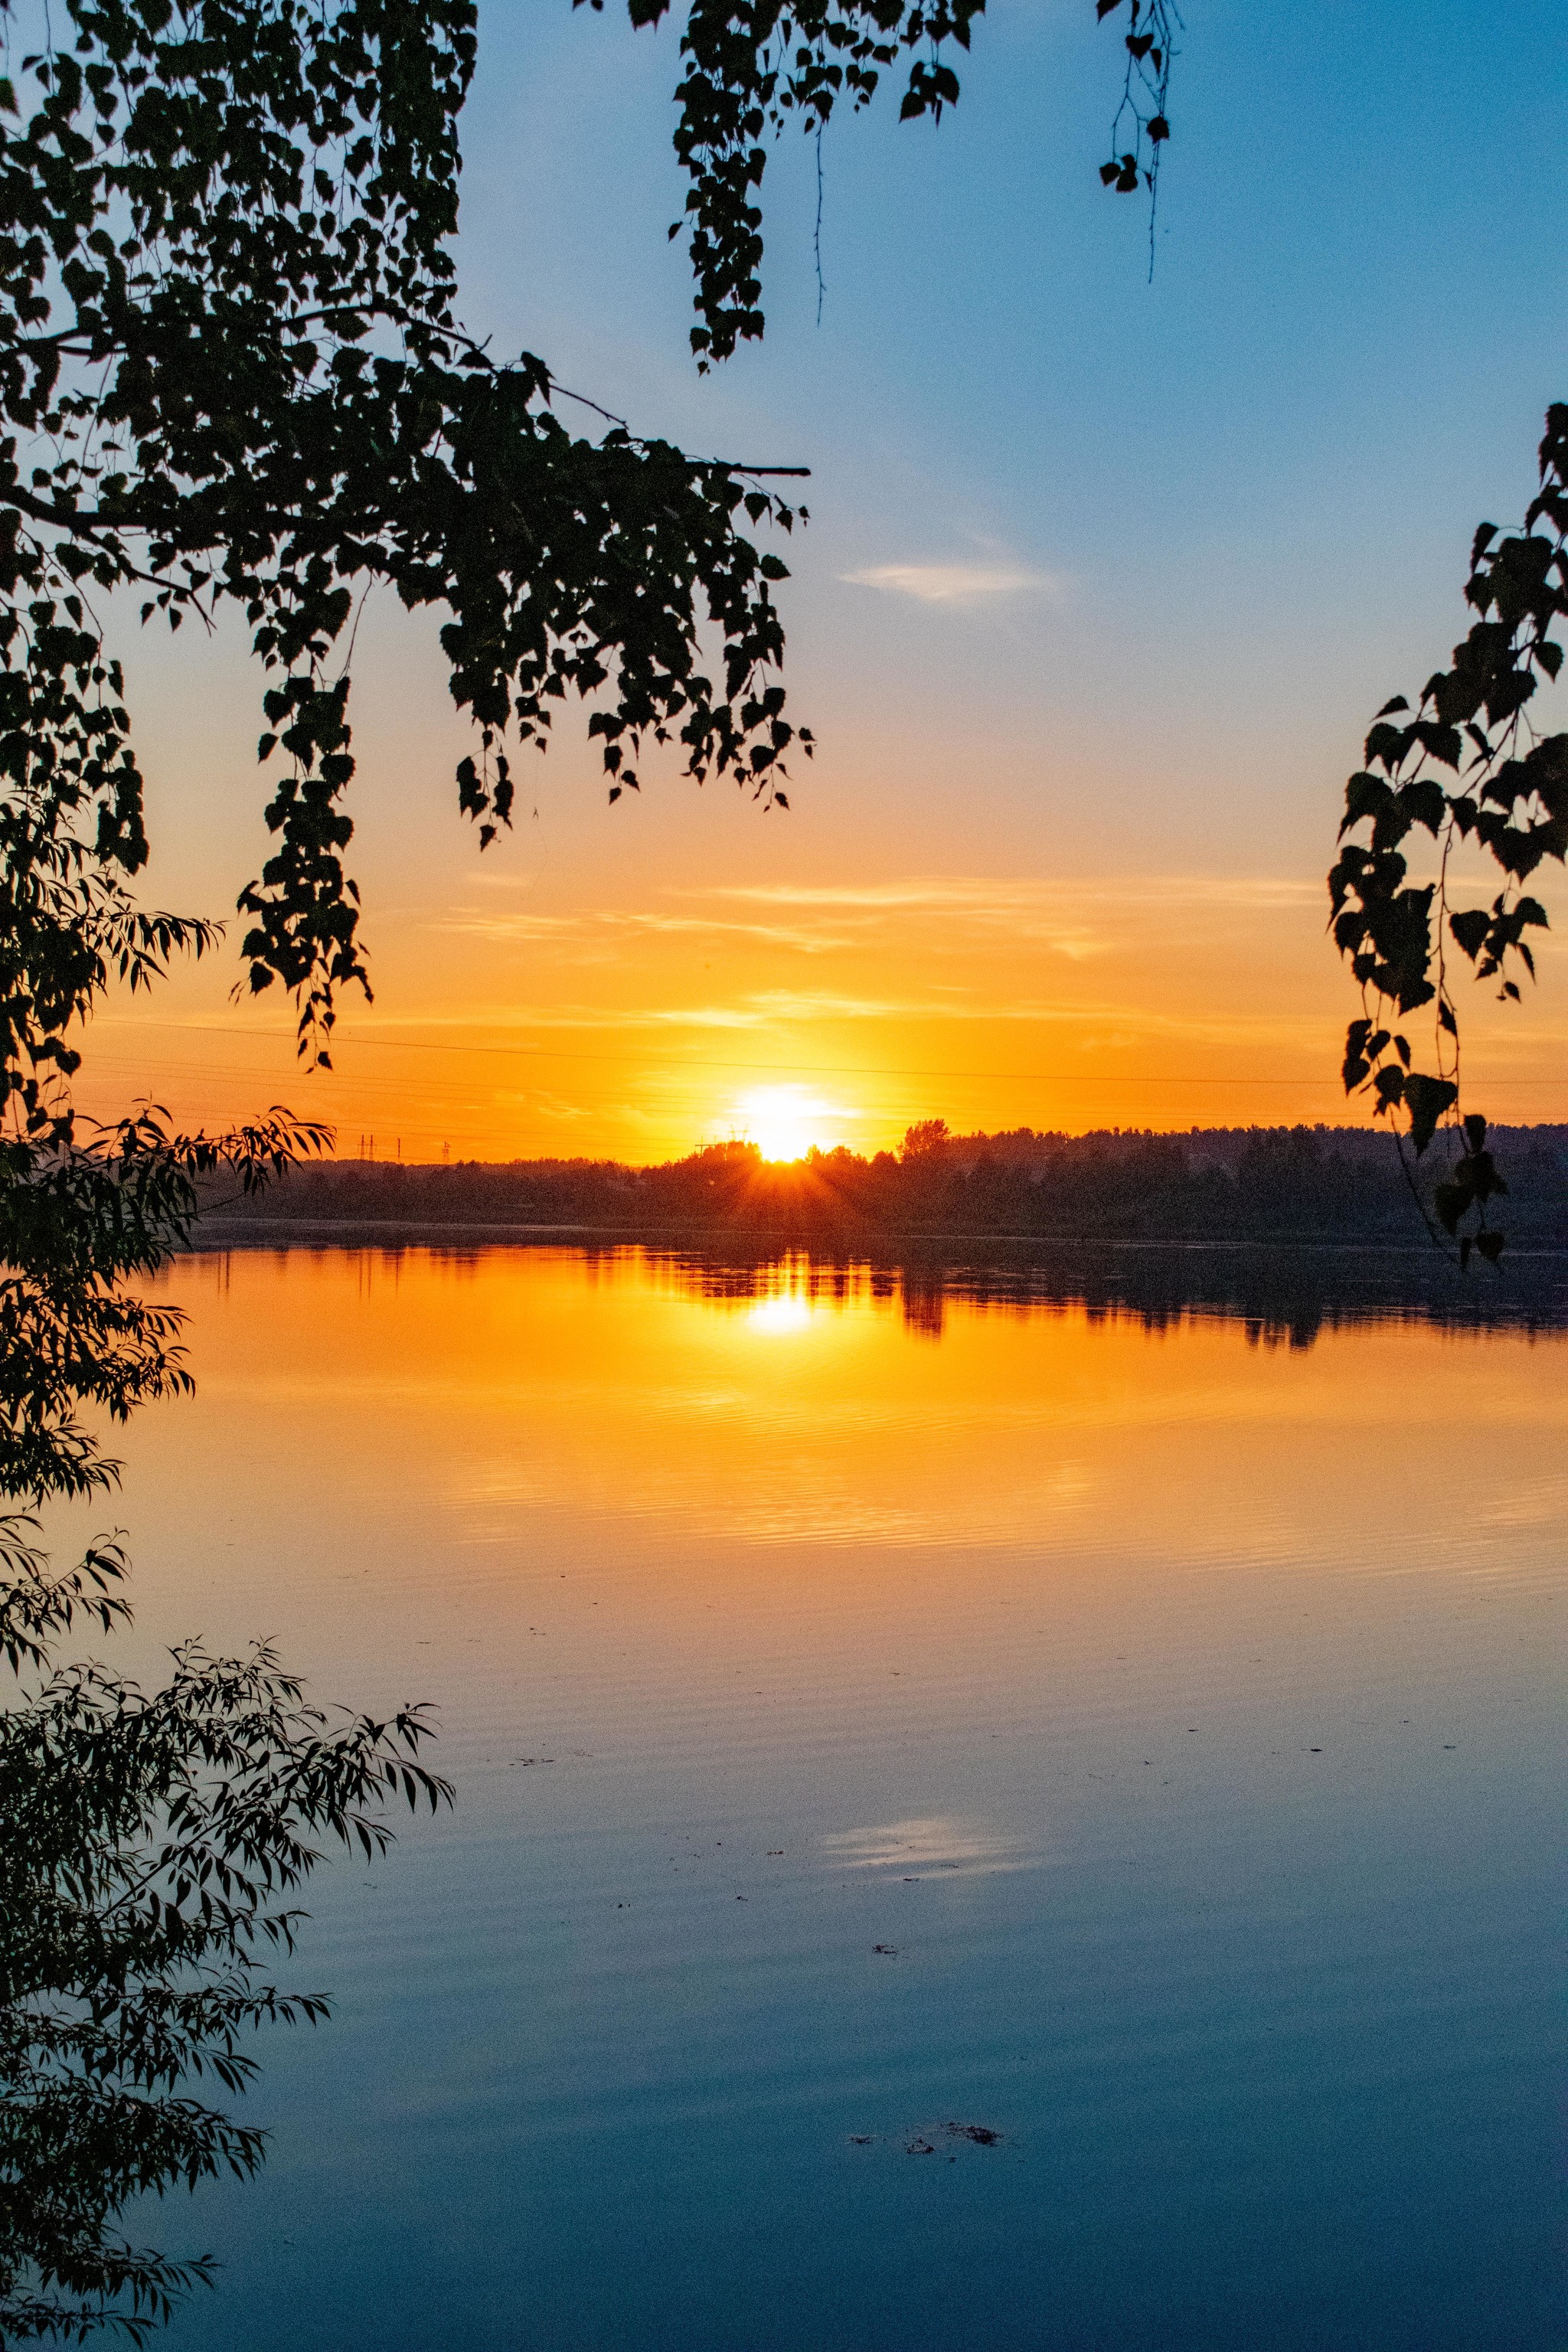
(1104, 577)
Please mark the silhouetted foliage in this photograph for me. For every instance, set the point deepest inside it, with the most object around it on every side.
(151, 1842)
(751, 68)
(231, 373)
(1508, 794)
(148, 1841)
(76, 1218)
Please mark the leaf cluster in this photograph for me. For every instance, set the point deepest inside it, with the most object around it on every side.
(751, 67)
(231, 371)
(1141, 125)
(748, 70)
(1467, 765)
(77, 1215)
(83, 1206)
(150, 1843)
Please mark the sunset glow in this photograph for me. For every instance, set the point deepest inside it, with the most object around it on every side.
(786, 1122)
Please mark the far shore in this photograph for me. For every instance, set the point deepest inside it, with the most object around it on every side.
(215, 1233)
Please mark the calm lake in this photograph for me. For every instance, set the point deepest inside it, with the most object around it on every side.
(892, 1708)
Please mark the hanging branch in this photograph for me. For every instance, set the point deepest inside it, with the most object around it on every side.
(1508, 795)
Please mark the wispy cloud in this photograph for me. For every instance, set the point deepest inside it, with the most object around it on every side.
(597, 929)
(983, 893)
(823, 1004)
(956, 583)
(544, 1106)
(775, 934)
(1076, 918)
(1100, 1024)
(508, 926)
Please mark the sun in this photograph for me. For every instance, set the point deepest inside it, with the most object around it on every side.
(785, 1122)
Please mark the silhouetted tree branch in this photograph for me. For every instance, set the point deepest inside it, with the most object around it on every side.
(1472, 723)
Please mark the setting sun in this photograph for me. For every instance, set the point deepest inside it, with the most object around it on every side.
(786, 1122)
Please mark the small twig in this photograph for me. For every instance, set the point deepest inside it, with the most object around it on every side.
(354, 632)
(1399, 1141)
(583, 401)
(816, 233)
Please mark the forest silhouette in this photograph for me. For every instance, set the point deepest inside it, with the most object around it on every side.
(1212, 1184)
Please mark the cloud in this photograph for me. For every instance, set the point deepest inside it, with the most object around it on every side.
(991, 895)
(775, 934)
(956, 583)
(1079, 919)
(545, 1106)
(595, 930)
(1076, 919)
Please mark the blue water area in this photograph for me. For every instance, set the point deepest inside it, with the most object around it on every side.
(1038, 1837)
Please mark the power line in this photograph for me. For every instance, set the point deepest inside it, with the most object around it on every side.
(785, 1070)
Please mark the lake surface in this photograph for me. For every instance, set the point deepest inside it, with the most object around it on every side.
(891, 1707)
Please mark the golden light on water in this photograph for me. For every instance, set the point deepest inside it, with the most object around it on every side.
(1072, 1450)
(790, 1311)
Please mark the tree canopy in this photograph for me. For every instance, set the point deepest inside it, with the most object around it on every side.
(232, 371)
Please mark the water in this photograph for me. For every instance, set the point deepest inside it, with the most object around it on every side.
(884, 1702)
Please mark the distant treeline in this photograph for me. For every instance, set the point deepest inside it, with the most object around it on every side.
(1215, 1184)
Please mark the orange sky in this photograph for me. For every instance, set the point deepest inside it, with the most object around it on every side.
(946, 929)
(554, 999)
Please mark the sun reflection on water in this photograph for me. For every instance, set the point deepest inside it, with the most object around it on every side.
(788, 1312)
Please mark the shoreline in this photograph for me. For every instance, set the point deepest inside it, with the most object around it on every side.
(216, 1233)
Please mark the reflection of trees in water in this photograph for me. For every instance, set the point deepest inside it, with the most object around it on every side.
(924, 1302)
(1280, 1298)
